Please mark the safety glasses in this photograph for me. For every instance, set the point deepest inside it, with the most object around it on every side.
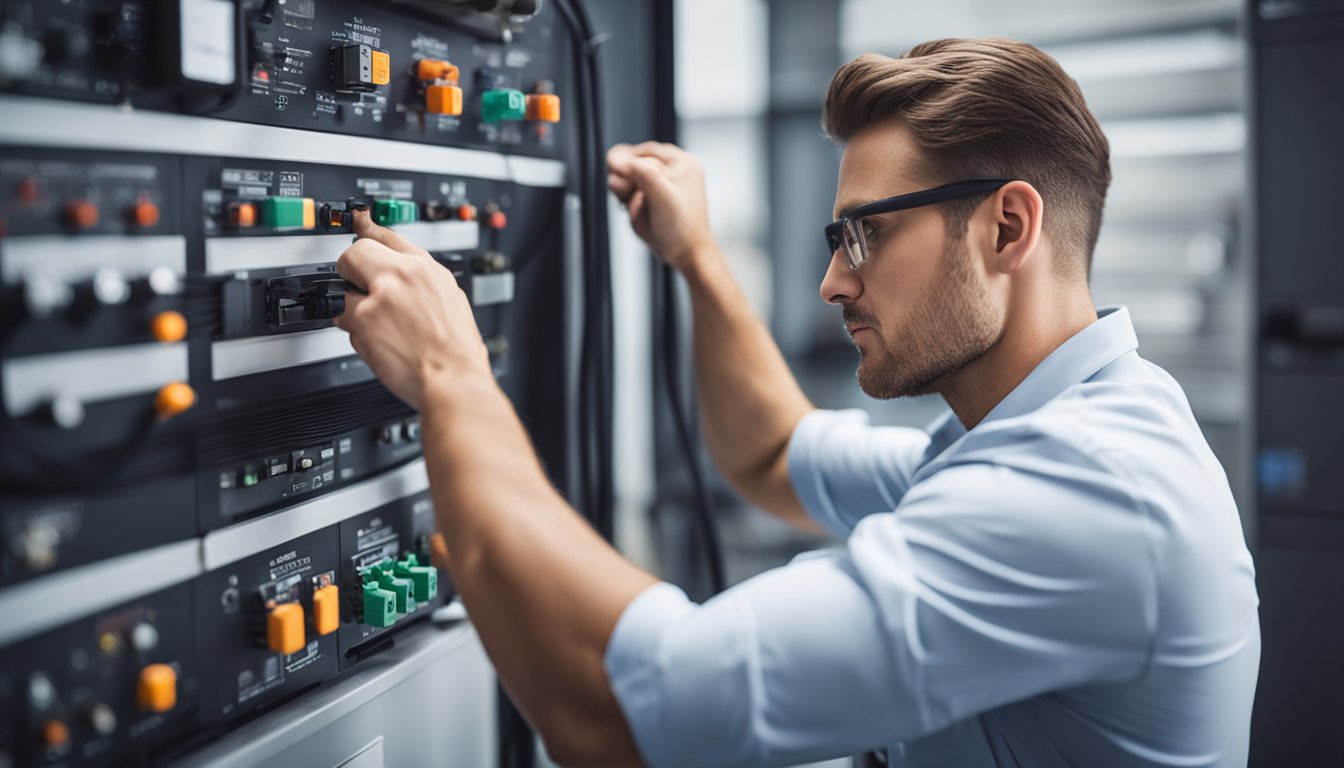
(846, 233)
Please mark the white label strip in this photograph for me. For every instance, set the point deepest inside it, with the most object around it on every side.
(207, 41)
(219, 548)
(235, 254)
(491, 289)
(50, 123)
(442, 235)
(47, 602)
(91, 374)
(71, 259)
(241, 357)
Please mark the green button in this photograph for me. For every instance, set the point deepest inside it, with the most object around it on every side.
(503, 104)
(426, 580)
(404, 589)
(390, 213)
(250, 477)
(282, 212)
(380, 606)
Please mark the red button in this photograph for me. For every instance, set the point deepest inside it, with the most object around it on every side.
(145, 214)
(498, 220)
(466, 212)
(29, 192)
(81, 214)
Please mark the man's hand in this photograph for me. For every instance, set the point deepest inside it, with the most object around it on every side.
(663, 188)
(410, 321)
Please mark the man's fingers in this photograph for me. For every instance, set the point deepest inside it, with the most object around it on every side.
(620, 186)
(346, 321)
(648, 174)
(364, 227)
(636, 205)
(668, 153)
(363, 260)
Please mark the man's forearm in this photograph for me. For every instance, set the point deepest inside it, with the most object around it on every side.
(542, 588)
(749, 399)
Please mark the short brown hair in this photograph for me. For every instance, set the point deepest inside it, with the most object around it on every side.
(987, 107)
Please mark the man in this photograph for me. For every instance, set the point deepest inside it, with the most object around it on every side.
(1054, 575)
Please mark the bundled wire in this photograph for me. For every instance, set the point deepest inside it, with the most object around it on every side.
(596, 350)
(671, 348)
(595, 380)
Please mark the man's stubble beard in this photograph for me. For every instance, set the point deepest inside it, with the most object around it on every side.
(951, 324)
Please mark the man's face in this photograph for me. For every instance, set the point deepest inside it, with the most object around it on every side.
(918, 309)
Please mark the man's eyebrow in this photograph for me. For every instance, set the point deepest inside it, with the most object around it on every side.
(850, 205)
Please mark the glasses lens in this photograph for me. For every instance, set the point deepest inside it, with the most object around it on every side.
(856, 248)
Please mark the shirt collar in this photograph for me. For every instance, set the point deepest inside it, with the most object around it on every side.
(1073, 362)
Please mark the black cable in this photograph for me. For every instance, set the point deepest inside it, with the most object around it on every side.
(595, 401)
(596, 357)
(671, 343)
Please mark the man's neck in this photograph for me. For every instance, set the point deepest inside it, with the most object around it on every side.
(1035, 327)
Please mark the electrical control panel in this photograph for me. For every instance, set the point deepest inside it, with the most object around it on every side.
(209, 506)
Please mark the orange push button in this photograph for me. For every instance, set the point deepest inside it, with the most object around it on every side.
(443, 99)
(543, 107)
(243, 215)
(174, 398)
(144, 214)
(55, 735)
(466, 212)
(284, 628)
(382, 68)
(169, 326)
(81, 214)
(326, 609)
(435, 69)
(497, 220)
(157, 691)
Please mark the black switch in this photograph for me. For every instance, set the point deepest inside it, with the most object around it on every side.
(297, 299)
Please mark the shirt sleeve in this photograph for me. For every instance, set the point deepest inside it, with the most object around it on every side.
(844, 469)
(987, 586)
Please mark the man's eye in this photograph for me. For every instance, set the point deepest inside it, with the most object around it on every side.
(869, 231)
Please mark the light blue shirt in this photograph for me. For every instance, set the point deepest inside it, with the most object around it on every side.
(1065, 584)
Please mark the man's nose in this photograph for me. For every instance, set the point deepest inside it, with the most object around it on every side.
(841, 285)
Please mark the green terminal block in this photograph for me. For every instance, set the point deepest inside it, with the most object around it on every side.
(282, 212)
(404, 590)
(390, 213)
(501, 104)
(380, 606)
(425, 579)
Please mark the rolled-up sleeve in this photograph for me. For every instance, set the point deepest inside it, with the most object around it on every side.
(955, 604)
(845, 469)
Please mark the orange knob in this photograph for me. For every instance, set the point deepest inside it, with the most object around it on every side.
(543, 107)
(242, 215)
(157, 691)
(443, 99)
(145, 214)
(435, 69)
(498, 220)
(173, 399)
(81, 214)
(284, 628)
(466, 212)
(55, 734)
(169, 326)
(327, 609)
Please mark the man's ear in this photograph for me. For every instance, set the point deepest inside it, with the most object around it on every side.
(1018, 217)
